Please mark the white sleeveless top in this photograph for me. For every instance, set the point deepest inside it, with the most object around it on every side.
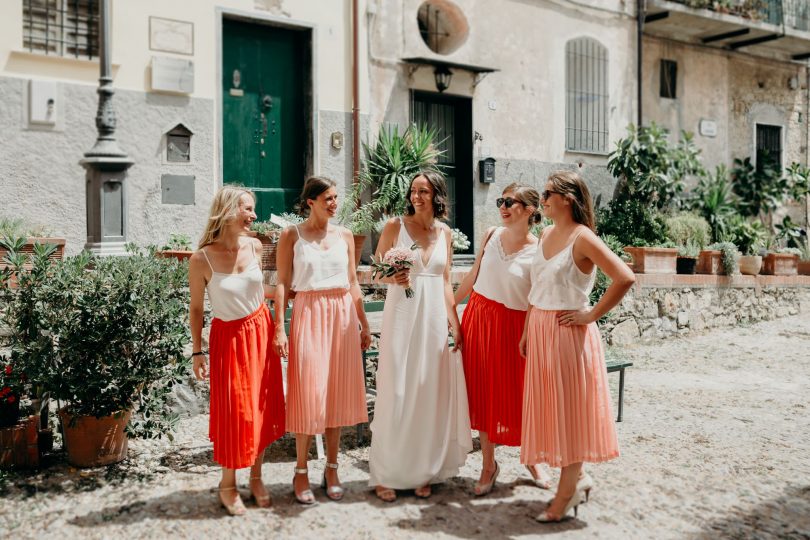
(557, 283)
(234, 296)
(316, 269)
(503, 278)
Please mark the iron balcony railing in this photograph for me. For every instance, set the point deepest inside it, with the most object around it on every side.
(790, 13)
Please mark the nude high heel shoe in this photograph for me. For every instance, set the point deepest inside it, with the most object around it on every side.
(262, 501)
(585, 484)
(573, 502)
(235, 509)
(484, 489)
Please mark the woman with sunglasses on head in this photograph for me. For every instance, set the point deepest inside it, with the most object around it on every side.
(567, 416)
(492, 324)
(328, 328)
(421, 430)
(247, 397)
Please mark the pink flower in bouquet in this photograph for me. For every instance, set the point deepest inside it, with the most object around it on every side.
(395, 260)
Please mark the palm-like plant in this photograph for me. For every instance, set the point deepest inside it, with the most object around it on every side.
(714, 200)
(390, 164)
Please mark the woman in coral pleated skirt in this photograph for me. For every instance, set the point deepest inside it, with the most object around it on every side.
(567, 417)
(492, 324)
(247, 395)
(328, 332)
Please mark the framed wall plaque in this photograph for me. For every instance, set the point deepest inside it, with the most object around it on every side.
(172, 36)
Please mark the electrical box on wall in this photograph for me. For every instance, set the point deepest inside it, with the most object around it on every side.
(486, 171)
(42, 102)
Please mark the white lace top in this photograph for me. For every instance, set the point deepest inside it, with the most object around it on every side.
(234, 296)
(503, 278)
(557, 283)
(317, 269)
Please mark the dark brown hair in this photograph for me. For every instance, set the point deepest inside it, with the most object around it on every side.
(440, 202)
(571, 186)
(527, 196)
(313, 187)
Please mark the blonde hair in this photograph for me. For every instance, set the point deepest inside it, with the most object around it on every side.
(527, 196)
(224, 208)
(571, 186)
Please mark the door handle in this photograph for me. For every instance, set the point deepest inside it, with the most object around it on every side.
(267, 102)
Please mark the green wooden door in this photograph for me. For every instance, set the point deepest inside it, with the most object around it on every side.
(263, 112)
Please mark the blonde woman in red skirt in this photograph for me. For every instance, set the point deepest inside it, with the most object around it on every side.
(328, 330)
(492, 324)
(247, 395)
(567, 417)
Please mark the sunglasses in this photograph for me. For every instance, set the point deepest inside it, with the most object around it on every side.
(507, 202)
(548, 193)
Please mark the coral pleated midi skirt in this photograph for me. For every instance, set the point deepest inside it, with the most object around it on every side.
(325, 379)
(247, 394)
(494, 368)
(567, 416)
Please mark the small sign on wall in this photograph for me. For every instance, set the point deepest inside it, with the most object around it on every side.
(171, 36)
(707, 128)
(172, 75)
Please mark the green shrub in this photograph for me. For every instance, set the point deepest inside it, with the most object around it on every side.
(729, 257)
(748, 236)
(631, 223)
(178, 242)
(713, 199)
(685, 228)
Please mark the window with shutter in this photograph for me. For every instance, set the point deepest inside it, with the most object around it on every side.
(587, 96)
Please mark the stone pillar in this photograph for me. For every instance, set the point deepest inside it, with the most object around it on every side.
(106, 164)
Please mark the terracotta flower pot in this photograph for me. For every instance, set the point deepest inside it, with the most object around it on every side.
(648, 260)
(780, 264)
(804, 268)
(180, 255)
(91, 441)
(750, 265)
(710, 261)
(359, 240)
(269, 247)
(18, 444)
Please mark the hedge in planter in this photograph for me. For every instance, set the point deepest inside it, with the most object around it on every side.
(116, 328)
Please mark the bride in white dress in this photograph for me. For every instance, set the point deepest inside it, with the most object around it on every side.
(421, 426)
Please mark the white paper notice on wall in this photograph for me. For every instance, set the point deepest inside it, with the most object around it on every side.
(172, 75)
(707, 128)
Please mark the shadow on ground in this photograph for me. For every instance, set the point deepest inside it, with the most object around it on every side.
(787, 516)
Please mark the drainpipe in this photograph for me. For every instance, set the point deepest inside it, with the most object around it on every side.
(355, 97)
(639, 29)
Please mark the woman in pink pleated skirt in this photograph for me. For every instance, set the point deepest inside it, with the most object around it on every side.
(328, 331)
(567, 417)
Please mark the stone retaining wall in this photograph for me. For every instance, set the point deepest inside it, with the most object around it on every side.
(660, 306)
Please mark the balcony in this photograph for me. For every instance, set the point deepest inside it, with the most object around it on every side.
(778, 29)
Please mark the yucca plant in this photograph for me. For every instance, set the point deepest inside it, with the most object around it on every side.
(390, 164)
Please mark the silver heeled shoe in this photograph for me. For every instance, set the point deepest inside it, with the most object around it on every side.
(484, 489)
(305, 497)
(573, 502)
(333, 492)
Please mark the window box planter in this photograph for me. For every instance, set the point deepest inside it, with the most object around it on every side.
(91, 441)
(750, 265)
(780, 264)
(28, 249)
(804, 268)
(650, 260)
(19, 445)
(710, 261)
(180, 255)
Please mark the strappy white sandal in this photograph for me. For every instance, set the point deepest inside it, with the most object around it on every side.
(238, 507)
(306, 496)
(333, 492)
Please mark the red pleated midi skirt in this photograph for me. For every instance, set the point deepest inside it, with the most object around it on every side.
(325, 380)
(567, 417)
(494, 368)
(247, 394)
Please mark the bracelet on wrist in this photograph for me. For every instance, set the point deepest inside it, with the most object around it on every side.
(199, 353)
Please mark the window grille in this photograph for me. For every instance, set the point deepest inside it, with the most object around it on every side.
(769, 146)
(587, 98)
(669, 79)
(61, 27)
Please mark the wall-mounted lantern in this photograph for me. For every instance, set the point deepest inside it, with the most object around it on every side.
(443, 76)
(178, 144)
(486, 171)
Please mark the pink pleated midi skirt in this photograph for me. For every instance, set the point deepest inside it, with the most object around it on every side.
(567, 417)
(325, 379)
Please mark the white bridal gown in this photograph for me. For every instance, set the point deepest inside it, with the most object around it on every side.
(421, 426)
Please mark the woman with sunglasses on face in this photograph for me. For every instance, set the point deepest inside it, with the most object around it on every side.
(492, 325)
(567, 416)
(328, 329)
(421, 430)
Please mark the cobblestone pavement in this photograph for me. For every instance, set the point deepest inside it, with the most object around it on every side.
(714, 445)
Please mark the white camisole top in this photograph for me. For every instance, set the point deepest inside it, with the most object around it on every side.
(234, 296)
(316, 269)
(503, 278)
(557, 283)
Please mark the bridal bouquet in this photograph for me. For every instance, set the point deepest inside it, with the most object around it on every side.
(395, 260)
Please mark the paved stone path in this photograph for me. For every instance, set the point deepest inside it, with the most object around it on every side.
(714, 445)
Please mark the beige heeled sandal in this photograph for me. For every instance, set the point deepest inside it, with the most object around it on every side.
(235, 509)
(483, 489)
(262, 501)
(305, 497)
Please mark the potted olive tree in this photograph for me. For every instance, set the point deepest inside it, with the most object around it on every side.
(690, 233)
(111, 337)
(177, 247)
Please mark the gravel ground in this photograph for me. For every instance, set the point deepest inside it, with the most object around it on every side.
(714, 445)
